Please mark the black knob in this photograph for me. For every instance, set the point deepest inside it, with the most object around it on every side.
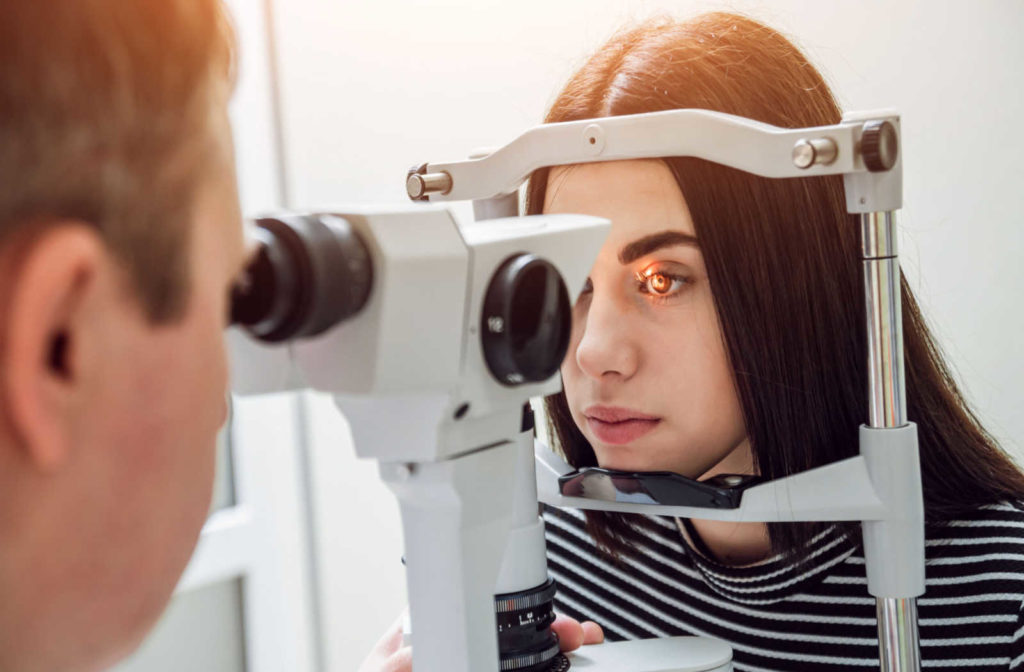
(879, 146)
(310, 273)
(526, 320)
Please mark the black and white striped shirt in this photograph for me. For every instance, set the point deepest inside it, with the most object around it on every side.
(780, 616)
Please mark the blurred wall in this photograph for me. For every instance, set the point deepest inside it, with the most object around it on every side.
(371, 88)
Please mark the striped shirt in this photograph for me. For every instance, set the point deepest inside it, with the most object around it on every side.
(777, 615)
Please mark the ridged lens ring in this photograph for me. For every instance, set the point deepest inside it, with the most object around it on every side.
(525, 640)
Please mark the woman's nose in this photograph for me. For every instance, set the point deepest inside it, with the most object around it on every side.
(607, 346)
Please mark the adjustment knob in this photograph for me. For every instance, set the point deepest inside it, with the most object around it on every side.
(879, 146)
(525, 321)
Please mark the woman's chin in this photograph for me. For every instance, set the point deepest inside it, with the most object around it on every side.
(623, 458)
(627, 458)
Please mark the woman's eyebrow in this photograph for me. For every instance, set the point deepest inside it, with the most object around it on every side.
(655, 241)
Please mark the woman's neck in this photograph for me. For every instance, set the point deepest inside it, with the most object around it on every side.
(732, 543)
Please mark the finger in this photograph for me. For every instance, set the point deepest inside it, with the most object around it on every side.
(392, 639)
(592, 633)
(569, 631)
(399, 661)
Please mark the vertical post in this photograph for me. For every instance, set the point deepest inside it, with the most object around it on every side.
(456, 516)
(887, 390)
(899, 647)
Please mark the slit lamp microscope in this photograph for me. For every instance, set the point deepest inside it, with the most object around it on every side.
(432, 336)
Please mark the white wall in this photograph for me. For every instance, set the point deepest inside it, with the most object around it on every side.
(371, 88)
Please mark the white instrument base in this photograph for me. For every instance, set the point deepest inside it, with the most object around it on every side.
(671, 654)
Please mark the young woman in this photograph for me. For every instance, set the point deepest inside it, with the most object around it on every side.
(721, 330)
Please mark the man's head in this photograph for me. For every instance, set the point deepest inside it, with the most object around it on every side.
(119, 238)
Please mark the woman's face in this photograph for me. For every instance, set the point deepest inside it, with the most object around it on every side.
(646, 376)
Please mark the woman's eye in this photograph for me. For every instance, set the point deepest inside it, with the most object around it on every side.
(588, 287)
(660, 284)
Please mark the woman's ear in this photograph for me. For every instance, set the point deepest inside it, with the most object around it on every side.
(46, 317)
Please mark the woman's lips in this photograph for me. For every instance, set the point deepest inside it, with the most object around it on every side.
(616, 425)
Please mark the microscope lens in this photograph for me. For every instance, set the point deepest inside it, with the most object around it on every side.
(525, 642)
(311, 273)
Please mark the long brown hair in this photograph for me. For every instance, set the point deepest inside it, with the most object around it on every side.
(782, 260)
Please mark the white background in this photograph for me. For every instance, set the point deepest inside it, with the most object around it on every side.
(371, 88)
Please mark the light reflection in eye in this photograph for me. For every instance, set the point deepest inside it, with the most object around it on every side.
(660, 284)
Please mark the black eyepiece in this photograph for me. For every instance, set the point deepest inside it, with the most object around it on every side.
(311, 272)
(526, 321)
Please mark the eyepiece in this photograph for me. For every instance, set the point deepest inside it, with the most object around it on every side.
(526, 321)
(310, 273)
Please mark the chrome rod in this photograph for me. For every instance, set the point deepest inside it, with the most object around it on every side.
(887, 400)
(898, 645)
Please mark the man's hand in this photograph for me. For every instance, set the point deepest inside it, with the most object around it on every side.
(389, 655)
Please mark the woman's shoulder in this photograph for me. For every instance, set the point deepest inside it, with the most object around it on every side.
(980, 547)
(1001, 522)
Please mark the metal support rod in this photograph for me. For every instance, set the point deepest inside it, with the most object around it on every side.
(898, 644)
(887, 401)
(898, 641)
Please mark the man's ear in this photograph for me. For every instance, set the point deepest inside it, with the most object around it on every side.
(40, 351)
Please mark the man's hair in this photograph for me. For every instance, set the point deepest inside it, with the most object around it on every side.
(106, 108)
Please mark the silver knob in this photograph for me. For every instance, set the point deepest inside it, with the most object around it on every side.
(418, 186)
(807, 153)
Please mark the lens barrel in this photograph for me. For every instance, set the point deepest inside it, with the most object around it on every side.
(526, 320)
(310, 273)
(525, 640)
